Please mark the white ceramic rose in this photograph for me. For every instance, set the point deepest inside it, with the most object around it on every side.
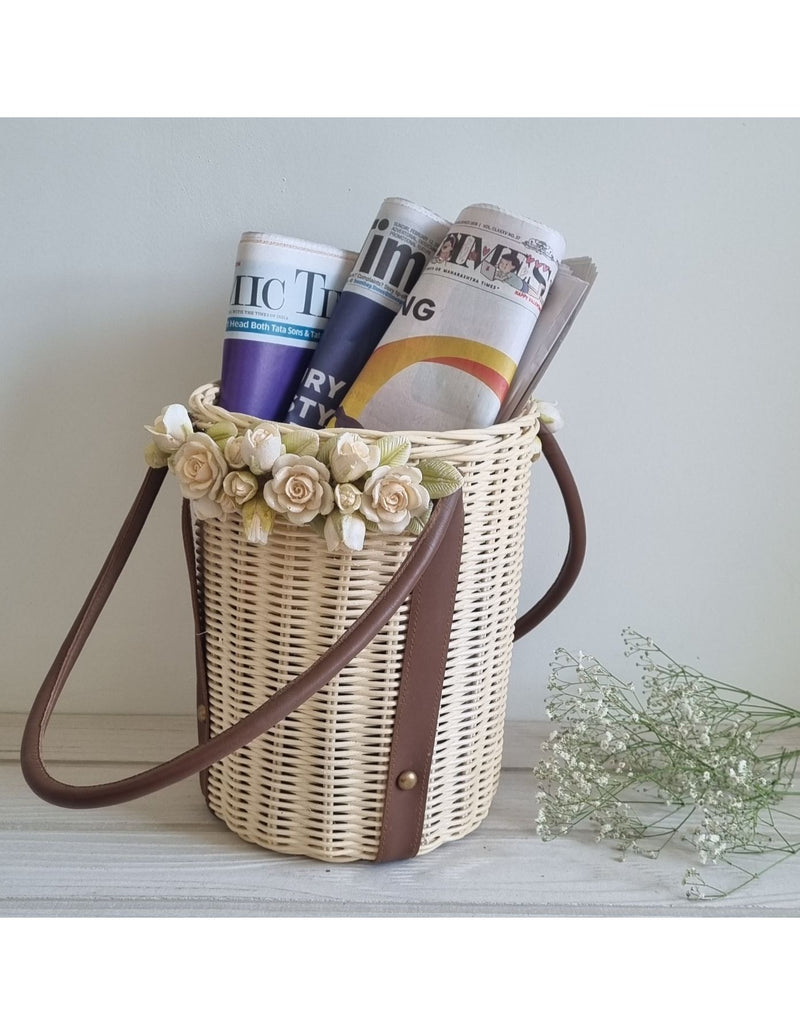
(341, 488)
(351, 457)
(347, 498)
(232, 451)
(261, 447)
(393, 496)
(237, 488)
(199, 466)
(299, 489)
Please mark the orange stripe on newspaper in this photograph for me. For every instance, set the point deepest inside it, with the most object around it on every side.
(488, 375)
(493, 367)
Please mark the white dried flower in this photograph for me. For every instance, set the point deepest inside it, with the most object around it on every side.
(691, 756)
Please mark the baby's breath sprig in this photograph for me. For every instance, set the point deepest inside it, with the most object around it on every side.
(676, 757)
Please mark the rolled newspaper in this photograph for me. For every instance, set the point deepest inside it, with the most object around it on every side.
(403, 236)
(447, 361)
(284, 292)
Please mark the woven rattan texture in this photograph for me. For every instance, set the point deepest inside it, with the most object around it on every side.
(314, 785)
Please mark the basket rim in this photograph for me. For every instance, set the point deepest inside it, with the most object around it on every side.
(204, 410)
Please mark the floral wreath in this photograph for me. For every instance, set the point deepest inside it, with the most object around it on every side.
(341, 487)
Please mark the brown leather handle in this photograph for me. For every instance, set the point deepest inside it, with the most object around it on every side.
(284, 701)
(576, 548)
(293, 694)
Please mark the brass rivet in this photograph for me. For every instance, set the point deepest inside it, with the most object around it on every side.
(407, 780)
(202, 713)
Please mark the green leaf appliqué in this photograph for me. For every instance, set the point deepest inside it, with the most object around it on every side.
(394, 449)
(301, 442)
(416, 524)
(440, 478)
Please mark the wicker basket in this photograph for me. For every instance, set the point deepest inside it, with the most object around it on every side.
(314, 784)
(319, 672)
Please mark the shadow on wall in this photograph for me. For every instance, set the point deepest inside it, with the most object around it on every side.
(75, 445)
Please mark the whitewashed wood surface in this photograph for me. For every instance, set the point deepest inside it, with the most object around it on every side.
(167, 856)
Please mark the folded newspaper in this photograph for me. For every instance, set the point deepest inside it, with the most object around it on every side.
(449, 357)
(568, 293)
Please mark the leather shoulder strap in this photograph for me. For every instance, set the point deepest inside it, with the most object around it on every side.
(289, 697)
(430, 617)
(576, 548)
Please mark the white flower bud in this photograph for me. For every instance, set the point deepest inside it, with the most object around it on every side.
(347, 497)
(351, 457)
(257, 519)
(550, 415)
(261, 447)
(344, 532)
(171, 428)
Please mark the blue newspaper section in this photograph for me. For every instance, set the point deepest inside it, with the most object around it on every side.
(357, 324)
(284, 293)
(400, 241)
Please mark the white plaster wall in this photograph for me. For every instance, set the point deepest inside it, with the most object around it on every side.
(679, 382)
